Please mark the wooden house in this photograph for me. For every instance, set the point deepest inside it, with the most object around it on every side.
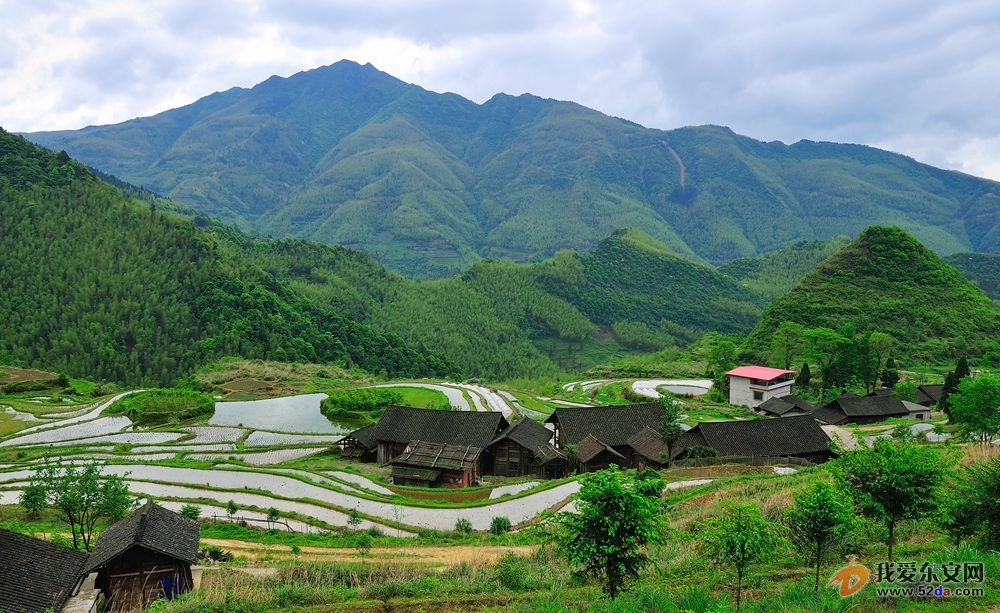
(760, 440)
(360, 444)
(649, 450)
(38, 576)
(424, 464)
(593, 454)
(399, 426)
(524, 448)
(785, 406)
(145, 556)
(852, 409)
(611, 426)
(928, 395)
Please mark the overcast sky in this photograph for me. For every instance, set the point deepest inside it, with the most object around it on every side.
(916, 76)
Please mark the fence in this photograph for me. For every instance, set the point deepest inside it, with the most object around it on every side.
(241, 519)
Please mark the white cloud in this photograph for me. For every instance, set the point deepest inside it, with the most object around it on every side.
(919, 77)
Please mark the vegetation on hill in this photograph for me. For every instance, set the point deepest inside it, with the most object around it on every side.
(983, 269)
(164, 405)
(772, 274)
(886, 281)
(94, 283)
(428, 183)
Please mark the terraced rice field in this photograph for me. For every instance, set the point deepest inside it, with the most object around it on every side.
(271, 439)
(260, 458)
(74, 432)
(214, 434)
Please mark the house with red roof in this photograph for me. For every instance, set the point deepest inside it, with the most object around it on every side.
(751, 386)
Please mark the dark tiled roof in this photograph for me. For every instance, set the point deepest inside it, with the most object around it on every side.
(649, 444)
(589, 448)
(405, 424)
(613, 425)
(829, 414)
(787, 436)
(869, 406)
(365, 437)
(440, 456)
(781, 406)
(929, 394)
(150, 526)
(36, 575)
(547, 453)
(527, 433)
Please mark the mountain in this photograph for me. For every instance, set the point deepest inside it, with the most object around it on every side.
(886, 280)
(772, 274)
(94, 283)
(429, 183)
(983, 269)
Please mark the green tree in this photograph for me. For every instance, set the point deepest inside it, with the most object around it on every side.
(805, 377)
(975, 405)
(822, 346)
(34, 498)
(881, 345)
(232, 508)
(613, 522)
(983, 496)
(890, 375)
(83, 494)
(273, 515)
(191, 511)
(740, 538)
(787, 344)
(500, 525)
(951, 383)
(817, 519)
(892, 481)
(353, 518)
(670, 425)
(959, 512)
(905, 390)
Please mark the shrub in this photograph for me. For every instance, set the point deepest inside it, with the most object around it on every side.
(499, 525)
(514, 573)
(191, 511)
(463, 525)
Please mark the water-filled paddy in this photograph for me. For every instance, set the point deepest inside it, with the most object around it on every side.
(287, 414)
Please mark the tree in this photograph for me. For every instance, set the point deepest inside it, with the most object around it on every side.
(891, 481)
(975, 405)
(34, 498)
(983, 495)
(722, 356)
(905, 390)
(739, 538)
(191, 511)
(613, 522)
(951, 383)
(959, 514)
(232, 508)
(82, 494)
(881, 345)
(805, 376)
(499, 525)
(817, 519)
(787, 344)
(822, 345)
(670, 426)
(273, 515)
(353, 518)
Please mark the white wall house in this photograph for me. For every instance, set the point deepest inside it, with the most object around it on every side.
(752, 385)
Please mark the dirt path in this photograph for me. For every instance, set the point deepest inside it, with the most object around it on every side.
(446, 556)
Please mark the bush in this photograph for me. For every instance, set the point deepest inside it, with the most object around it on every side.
(499, 525)
(191, 511)
(463, 525)
(514, 573)
(358, 403)
(164, 405)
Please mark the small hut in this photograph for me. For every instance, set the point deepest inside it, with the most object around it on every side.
(424, 464)
(592, 454)
(360, 444)
(650, 450)
(147, 555)
(514, 449)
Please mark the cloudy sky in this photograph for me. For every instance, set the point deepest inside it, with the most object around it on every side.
(919, 77)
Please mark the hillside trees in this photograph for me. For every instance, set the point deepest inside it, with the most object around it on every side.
(817, 519)
(740, 538)
(975, 406)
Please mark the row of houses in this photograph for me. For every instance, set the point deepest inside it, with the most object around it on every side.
(145, 556)
(848, 408)
(455, 449)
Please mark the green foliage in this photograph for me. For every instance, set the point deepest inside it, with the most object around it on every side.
(670, 425)
(805, 376)
(739, 538)
(359, 403)
(232, 508)
(905, 390)
(982, 497)
(614, 520)
(886, 281)
(82, 494)
(427, 182)
(773, 274)
(817, 519)
(702, 451)
(892, 481)
(975, 406)
(463, 525)
(162, 405)
(499, 525)
(191, 511)
(983, 269)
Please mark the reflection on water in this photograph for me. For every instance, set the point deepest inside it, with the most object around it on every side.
(287, 414)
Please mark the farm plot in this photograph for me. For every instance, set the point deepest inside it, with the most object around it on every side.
(259, 458)
(213, 434)
(75, 432)
(362, 482)
(220, 513)
(184, 447)
(18, 415)
(287, 414)
(455, 396)
(260, 438)
(81, 416)
(124, 438)
(695, 387)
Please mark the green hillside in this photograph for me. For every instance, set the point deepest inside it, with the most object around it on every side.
(886, 280)
(95, 283)
(983, 269)
(428, 183)
(772, 274)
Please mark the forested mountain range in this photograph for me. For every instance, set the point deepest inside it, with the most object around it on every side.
(428, 183)
(887, 281)
(97, 282)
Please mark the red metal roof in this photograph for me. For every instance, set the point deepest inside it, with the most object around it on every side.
(759, 372)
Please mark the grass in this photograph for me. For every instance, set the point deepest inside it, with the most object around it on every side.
(421, 397)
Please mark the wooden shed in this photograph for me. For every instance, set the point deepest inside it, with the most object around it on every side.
(147, 555)
(360, 444)
(424, 464)
(593, 454)
(515, 450)
(399, 426)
